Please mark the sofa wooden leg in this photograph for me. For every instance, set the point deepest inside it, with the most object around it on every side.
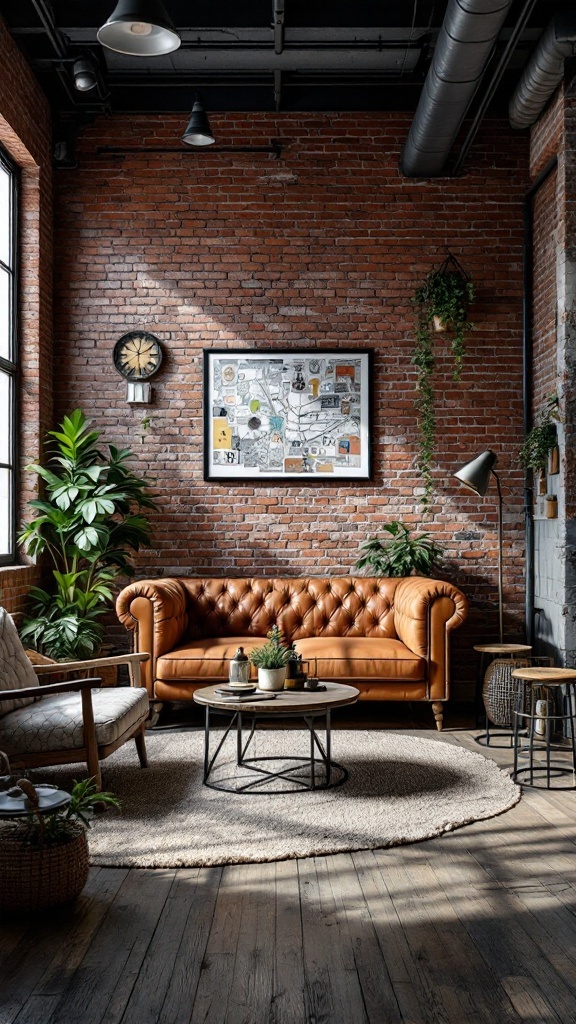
(438, 709)
(140, 740)
(154, 715)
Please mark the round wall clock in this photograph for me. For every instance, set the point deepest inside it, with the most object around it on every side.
(137, 355)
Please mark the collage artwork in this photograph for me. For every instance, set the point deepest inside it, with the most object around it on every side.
(286, 414)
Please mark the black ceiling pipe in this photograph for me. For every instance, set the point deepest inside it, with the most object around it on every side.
(467, 37)
(544, 71)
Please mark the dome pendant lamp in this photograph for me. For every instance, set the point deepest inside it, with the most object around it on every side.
(141, 28)
(198, 132)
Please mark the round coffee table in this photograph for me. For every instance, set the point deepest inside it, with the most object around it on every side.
(298, 773)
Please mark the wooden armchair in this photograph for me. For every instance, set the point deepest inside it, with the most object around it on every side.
(63, 723)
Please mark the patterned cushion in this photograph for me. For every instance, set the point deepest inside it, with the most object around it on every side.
(55, 722)
(16, 672)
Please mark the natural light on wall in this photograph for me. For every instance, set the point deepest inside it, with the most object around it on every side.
(7, 355)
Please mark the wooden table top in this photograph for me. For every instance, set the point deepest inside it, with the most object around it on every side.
(502, 648)
(336, 695)
(545, 675)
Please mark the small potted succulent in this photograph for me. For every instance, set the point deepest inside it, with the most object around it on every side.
(271, 661)
(44, 855)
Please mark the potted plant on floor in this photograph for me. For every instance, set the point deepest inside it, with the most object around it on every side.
(89, 525)
(44, 856)
(441, 305)
(401, 555)
(271, 661)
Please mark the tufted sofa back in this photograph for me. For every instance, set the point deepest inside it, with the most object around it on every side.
(347, 606)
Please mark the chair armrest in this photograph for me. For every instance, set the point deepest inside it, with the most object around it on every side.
(73, 685)
(132, 660)
(425, 612)
(157, 612)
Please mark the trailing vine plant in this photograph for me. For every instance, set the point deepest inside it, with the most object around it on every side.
(441, 305)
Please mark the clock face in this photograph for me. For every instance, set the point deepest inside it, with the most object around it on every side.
(137, 355)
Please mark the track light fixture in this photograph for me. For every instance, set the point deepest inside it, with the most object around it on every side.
(141, 28)
(198, 132)
(84, 73)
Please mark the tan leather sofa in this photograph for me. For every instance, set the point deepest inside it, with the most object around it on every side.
(388, 637)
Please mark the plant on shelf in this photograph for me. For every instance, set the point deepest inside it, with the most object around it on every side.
(441, 304)
(541, 440)
(89, 524)
(402, 555)
(45, 855)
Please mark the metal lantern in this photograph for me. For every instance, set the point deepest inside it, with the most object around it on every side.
(239, 671)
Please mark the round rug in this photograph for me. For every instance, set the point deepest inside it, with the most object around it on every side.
(401, 789)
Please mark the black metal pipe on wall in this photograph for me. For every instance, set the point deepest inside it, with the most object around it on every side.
(527, 382)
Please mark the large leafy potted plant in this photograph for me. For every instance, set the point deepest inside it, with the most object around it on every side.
(89, 525)
(45, 855)
(401, 555)
(441, 305)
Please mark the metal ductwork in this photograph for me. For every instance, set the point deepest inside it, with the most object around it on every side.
(466, 40)
(543, 72)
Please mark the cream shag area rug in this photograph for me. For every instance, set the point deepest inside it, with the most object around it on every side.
(401, 789)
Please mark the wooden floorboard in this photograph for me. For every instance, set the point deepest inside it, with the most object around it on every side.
(475, 927)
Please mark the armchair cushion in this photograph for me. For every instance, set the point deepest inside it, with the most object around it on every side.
(16, 672)
(55, 722)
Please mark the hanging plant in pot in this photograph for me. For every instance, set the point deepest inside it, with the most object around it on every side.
(441, 306)
(271, 661)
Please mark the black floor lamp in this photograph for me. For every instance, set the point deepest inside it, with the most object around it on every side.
(476, 476)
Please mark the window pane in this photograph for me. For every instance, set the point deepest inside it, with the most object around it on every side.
(5, 314)
(5, 197)
(5, 512)
(5, 418)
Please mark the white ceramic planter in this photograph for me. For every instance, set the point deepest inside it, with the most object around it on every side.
(271, 678)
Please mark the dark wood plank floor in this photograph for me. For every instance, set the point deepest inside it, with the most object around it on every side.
(476, 926)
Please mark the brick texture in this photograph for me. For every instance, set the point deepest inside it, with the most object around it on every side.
(324, 246)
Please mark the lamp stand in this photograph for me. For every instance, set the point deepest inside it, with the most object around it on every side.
(500, 587)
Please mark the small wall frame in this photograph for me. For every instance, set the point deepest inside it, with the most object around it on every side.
(283, 415)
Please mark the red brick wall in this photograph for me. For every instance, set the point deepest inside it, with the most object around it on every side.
(322, 247)
(545, 244)
(25, 132)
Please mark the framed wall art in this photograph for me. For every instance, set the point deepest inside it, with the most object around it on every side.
(286, 415)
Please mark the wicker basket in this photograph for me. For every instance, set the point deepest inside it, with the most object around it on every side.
(35, 878)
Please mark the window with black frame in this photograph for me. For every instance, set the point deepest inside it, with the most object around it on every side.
(8, 357)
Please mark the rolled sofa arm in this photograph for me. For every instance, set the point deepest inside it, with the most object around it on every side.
(156, 611)
(425, 612)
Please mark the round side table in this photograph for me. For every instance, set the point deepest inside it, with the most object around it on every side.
(495, 689)
(542, 709)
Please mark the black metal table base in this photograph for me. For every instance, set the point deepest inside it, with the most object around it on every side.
(317, 771)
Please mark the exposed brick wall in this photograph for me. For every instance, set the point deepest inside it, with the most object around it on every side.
(25, 132)
(322, 247)
(544, 269)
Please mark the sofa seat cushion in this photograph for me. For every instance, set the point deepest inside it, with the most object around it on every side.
(55, 722)
(204, 659)
(361, 658)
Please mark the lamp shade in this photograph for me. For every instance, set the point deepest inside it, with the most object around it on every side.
(476, 474)
(198, 132)
(141, 28)
(84, 74)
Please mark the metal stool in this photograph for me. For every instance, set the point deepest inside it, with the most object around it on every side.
(541, 709)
